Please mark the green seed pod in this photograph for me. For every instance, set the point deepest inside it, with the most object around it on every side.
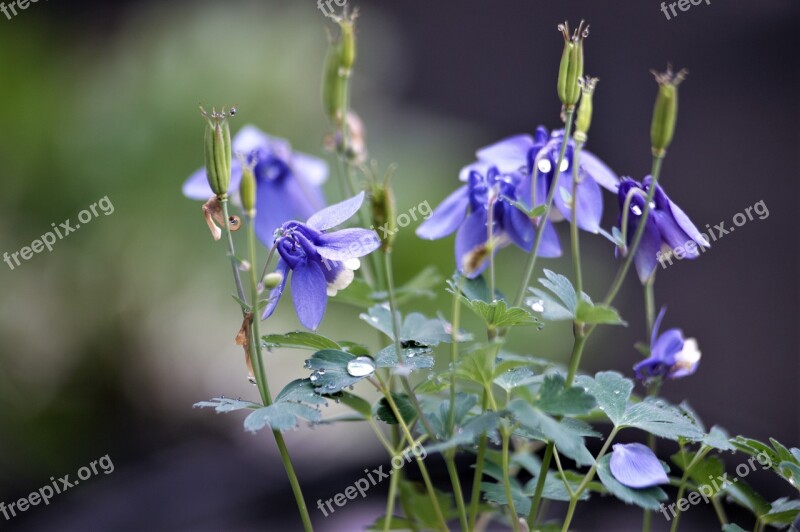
(665, 111)
(584, 117)
(218, 151)
(347, 48)
(384, 213)
(333, 85)
(247, 190)
(571, 67)
(271, 280)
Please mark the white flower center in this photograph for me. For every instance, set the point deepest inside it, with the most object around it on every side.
(689, 356)
(344, 277)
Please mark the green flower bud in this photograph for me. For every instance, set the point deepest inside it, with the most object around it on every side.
(665, 112)
(384, 213)
(571, 67)
(584, 118)
(218, 150)
(334, 86)
(347, 47)
(271, 280)
(247, 190)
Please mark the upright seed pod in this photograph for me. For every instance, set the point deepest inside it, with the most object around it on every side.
(217, 151)
(665, 111)
(571, 67)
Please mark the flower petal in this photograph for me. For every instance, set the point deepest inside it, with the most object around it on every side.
(274, 206)
(347, 243)
(667, 346)
(636, 466)
(657, 326)
(250, 138)
(597, 169)
(687, 360)
(590, 202)
(479, 166)
(275, 294)
(646, 256)
(509, 154)
(312, 170)
(336, 214)
(309, 293)
(446, 217)
(471, 243)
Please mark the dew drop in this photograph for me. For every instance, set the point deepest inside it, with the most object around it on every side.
(636, 210)
(616, 392)
(361, 366)
(564, 165)
(538, 306)
(544, 166)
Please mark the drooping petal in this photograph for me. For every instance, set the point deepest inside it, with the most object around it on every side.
(471, 240)
(336, 214)
(657, 326)
(250, 139)
(273, 208)
(478, 166)
(590, 202)
(687, 360)
(636, 466)
(519, 227)
(339, 274)
(550, 246)
(309, 293)
(275, 293)
(646, 256)
(446, 217)
(509, 154)
(347, 243)
(667, 346)
(597, 170)
(197, 187)
(675, 218)
(312, 170)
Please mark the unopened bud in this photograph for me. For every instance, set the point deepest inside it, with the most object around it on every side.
(665, 112)
(571, 67)
(272, 280)
(584, 118)
(334, 86)
(384, 211)
(247, 190)
(347, 47)
(218, 150)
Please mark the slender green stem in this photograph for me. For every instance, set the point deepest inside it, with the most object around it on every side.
(490, 245)
(573, 502)
(637, 238)
(393, 483)
(561, 471)
(577, 353)
(231, 251)
(476, 481)
(420, 463)
(537, 494)
(574, 237)
(543, 219)
(682, 489)
(449, 459)
(650, 312)
(719, 510)
(264, 384)
(506, 435)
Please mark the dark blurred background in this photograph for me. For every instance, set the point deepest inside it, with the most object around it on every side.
(107, 341)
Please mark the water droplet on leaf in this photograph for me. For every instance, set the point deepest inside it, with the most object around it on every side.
(361, 366)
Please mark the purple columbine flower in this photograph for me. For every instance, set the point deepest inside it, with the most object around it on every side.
(671, 356)
(484, 190)
(539, 155)
(289, 183)
(321, 263)
(636, 466)
(667, 228)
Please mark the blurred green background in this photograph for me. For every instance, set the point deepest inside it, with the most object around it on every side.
(108, 340)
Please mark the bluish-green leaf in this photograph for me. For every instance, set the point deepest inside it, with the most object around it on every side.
(567, 439)
(414, 358)
(556, 400)
(611, 391)
(660, 419)
(281, 416)
(224, 404)
(598, 314)
(385, 413)
(782, 512)
(300, 340)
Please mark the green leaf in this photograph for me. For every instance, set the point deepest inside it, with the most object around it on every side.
(649, 498)
(359, 404)
(384, 410)
(782, 512)
(497, 315)
(791, 472)
(742, 494)
(424, 511)
(537, 211)
(496, 493)
(514, 378)
(414, 328)
(297, 400)
(354, 348)
(300, 340)
(421, 285)
(704, 471)
(556, 400)
(476, 289)
(661, 419)
(477, 366)
(611, 391)
(330, 373)
(597, 314)
(396, 523)
(562, 288)
(468, 433)
(567, 434)
(732, 527)
(718, 438)
(414, 358)
(224, 404)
